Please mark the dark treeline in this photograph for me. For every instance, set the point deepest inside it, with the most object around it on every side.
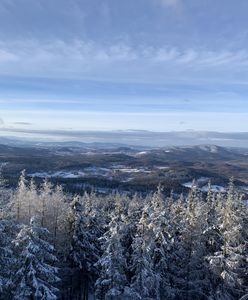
(57, 246)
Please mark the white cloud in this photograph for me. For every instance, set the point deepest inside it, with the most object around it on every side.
(81, 52)
(120, 61)
(7, 56)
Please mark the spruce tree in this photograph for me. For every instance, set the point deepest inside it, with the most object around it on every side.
(20, 204)
(230, 264)
(36, 276)
(112, 283)
(145, 280)
(84, 252)
(7, 259)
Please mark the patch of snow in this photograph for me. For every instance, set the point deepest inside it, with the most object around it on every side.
(39, 174)
(141, 153)
(88, 153)
(187, 184)
(245, 188)
(96, 171)
(214, 188)
(209, 148)
(61, 174)
(3, 164)
(127, 180)
(202, 179)
(134, 170)
(162, 168)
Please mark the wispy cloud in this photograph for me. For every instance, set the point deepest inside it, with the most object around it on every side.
(7, 56)
(88, 52)
(201, 58)
(77, 50)
(120, 56)
(22, 123)
(90, 59)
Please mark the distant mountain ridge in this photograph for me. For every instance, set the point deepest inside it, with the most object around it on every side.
(200, 152)
(131, 138)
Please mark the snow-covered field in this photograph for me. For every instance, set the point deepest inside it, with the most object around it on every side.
(135, 170)
(163, 168)
(202, 183)
(90, 171)
(61, 174)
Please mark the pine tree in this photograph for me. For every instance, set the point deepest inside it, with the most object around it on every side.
(211, 236)
(5, 195)
(163, 240)
(45, 196)
(145, 280)
(57, 208)
(84, 252)
(153, 247)
(31, 200)
(20, 204)
(7, 260)
(35, 276)
(230, 262)
(112, 283)
(187, 269)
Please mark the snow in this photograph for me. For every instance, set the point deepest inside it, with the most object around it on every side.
(202, 179)
(128, 179)
(114, 237)
(209, 148)
(89, 153)
(102, 190)
(244, 188)
(96, 171)
(61, 174)
(3, 164)
(204, 188)
(141, 153)
(163, 167)
(89, 171)
(214, 188)
(245, 202)
(129, 170)
(187, 184)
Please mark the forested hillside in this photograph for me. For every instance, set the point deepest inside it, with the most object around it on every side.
(55, 245)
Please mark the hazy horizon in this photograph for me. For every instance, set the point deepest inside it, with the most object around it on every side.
(129, 137)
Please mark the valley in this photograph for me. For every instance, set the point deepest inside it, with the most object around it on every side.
(105, 168)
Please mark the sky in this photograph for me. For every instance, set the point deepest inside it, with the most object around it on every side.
(157, 65)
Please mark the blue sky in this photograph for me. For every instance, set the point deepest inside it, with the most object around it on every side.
(156, 65)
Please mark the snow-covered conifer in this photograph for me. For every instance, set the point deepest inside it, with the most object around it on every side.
(84, 251)
(112, 282)
(44, 197)
(7, 260)
(230, 263)
(145, 280)
(36, 276)
(20, 195)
